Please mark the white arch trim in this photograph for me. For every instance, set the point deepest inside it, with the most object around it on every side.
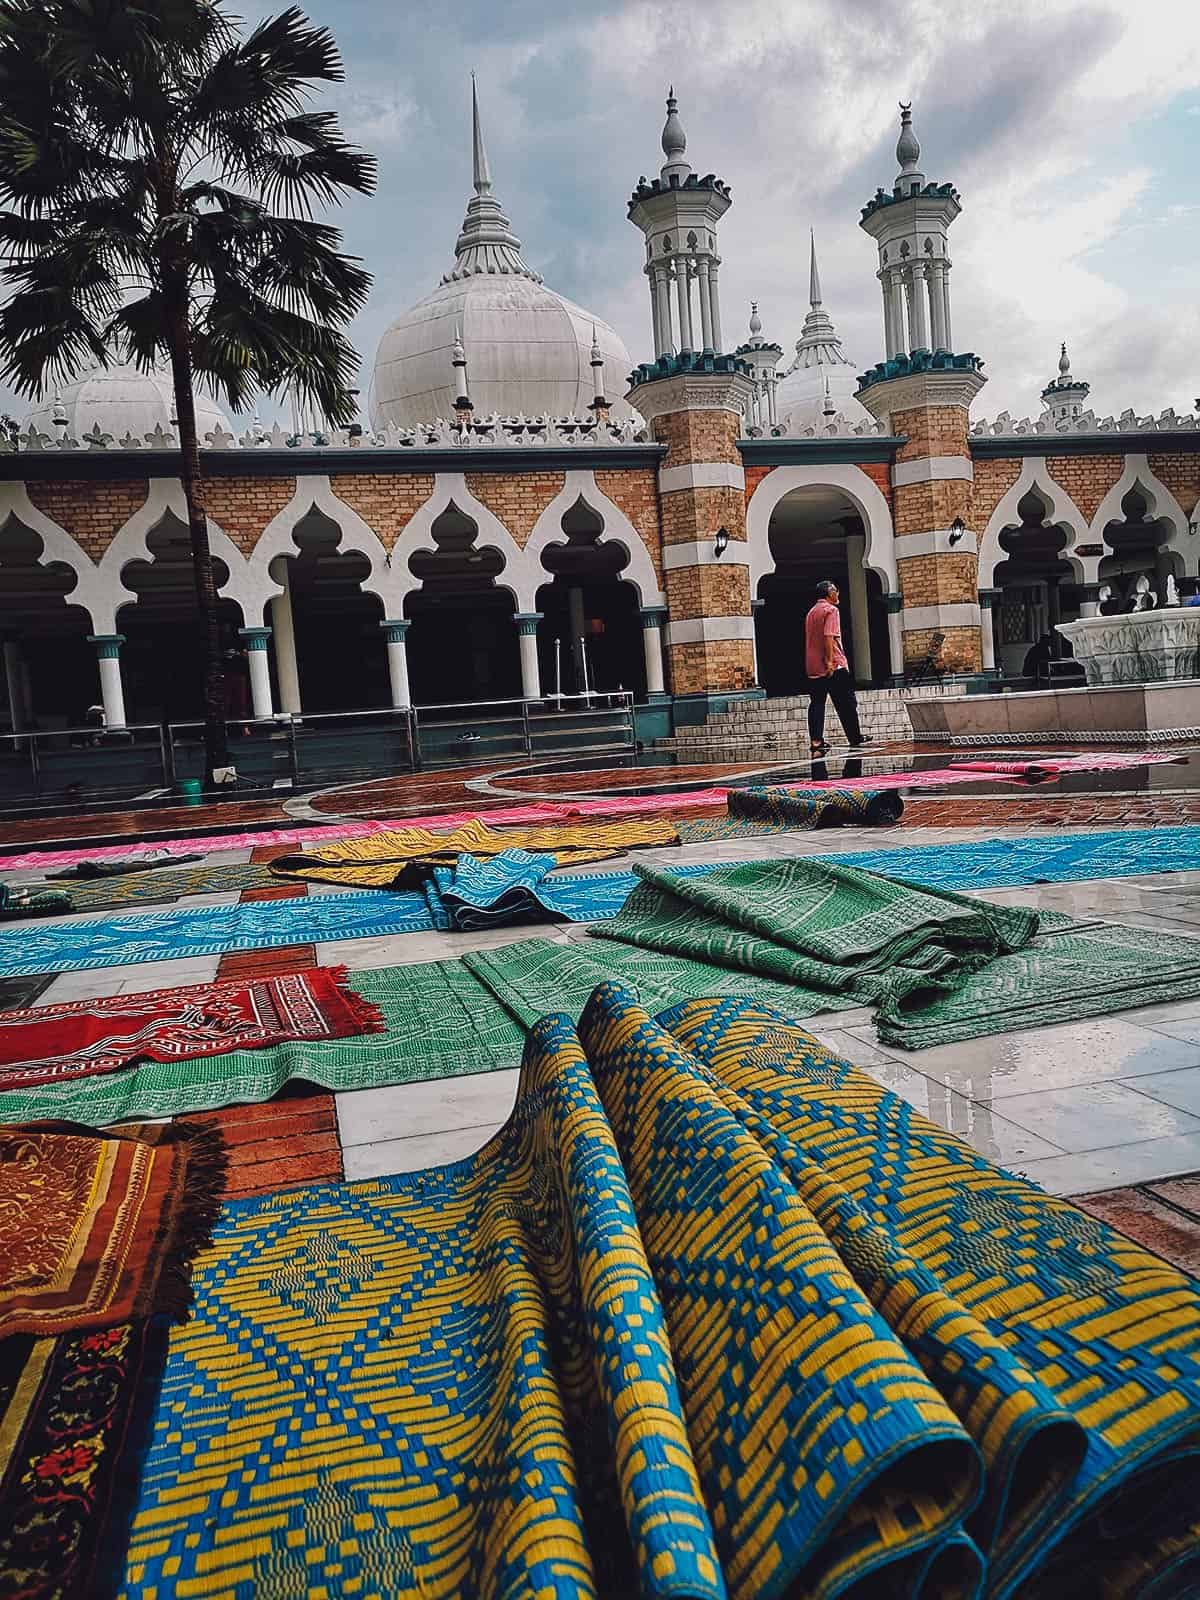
(316, 493)
(1160, 504)
(1061, 510)
(130, 544)
(862, 492)
(93, 590)
(519, 576)
(618, 529)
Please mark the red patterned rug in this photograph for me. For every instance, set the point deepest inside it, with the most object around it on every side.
(82, 1038)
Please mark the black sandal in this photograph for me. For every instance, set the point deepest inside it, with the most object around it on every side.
(818, 747)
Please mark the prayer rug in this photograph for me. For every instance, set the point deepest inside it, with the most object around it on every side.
(404, 858)
(16, 903)
(713, 1314)
(75, 1418)
(168, 883)
(119, 865)
(81, 1038)
(439, 1020)
(39, 860)
(102, 1226)
(831, 808)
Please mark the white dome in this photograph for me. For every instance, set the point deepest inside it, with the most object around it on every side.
(124, 403)
(528, 350)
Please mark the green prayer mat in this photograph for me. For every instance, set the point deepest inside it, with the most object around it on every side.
(165, 883)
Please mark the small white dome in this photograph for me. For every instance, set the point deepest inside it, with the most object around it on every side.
(124, 402)
(528, 349)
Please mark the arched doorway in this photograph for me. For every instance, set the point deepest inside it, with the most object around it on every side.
(1137, 545)
(1038, 586)
(591, 612)
(340, 659)
(817, 532)
(162, 660)
(462, 644)
(49, 678)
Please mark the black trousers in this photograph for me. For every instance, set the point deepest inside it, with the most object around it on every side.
(838, 687)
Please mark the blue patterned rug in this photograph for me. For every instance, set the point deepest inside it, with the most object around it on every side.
(578, 897)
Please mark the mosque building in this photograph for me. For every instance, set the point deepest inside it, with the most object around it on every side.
(530, 509)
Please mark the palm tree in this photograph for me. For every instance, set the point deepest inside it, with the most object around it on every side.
(158, 174)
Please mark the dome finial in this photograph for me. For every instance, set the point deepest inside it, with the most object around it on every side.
(755, 319)
(482, 172)
(1064, 361)
(814, 277)
(908, 147)
(674, 140)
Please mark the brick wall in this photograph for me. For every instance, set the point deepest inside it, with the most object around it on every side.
(244, 506)
(921, 507)
(712, 667)
(1087, 479)
(697, 514)
(92, 513)
(754, 476)
(931, 431)
(635, 492)
(698, 436)
(709, 591)
(386, 501)
(993, 480)
(1180, 474)
(947, 578)
(517, 501)
(961, 651)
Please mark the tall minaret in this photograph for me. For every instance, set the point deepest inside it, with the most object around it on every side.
(910, 225)
(678, 212)
(1063, 396)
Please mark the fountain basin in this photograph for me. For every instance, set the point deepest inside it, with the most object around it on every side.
(1143, 647)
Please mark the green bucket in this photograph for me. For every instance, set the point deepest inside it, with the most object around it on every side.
(190, 789)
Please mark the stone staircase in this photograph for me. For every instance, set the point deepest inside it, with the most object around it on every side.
(883, 714)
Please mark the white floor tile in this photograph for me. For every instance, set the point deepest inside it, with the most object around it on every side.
(404, 1111)
(1097, 1116)
(1113, 1168)
(1178, 1089)
(412, 1155)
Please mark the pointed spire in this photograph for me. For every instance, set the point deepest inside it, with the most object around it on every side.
(908, 148)
(674, 141)
(487, 242)
(1064, 362)
(482, 173)
(755, 319)
(814, 277)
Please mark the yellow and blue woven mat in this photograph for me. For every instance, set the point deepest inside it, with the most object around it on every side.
(713, 1315)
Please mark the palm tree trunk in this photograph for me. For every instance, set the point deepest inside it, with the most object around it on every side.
(216, 746)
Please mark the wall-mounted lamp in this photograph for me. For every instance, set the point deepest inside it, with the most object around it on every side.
(721, 542)
(957, 528)
(1194, 526)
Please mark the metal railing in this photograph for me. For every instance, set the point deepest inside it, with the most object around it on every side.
(62, 766)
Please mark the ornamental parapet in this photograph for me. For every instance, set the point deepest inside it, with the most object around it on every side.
(689, 362)
(918, 362)
(930, 191)
(1004, 426)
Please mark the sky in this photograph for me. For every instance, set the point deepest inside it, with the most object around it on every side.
(1071, 130)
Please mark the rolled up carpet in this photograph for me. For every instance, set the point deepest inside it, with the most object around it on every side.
(818, 808)
(21, 902)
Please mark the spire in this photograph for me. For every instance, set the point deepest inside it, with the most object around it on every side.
(487, 242)
(908, 149)
(1064, 362)
(483, 176)
(674, 141)
(814, 277)
(755, 319)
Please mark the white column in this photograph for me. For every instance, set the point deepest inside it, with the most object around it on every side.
(755, 607)
(531, 677)
(703, 295)
(987, 628)
(575, 621)
(260, 672)
(652, 279)
(944, 291)
(1089, 602)
(284, 630)
(683, 300)
(895, 606)
(856, 550)
(714, 296)
(12, 683)
(112, 693)
(918, 307)
(894, 312)
(652, 621)
(937, 305)
(394, 632)
(662, 291)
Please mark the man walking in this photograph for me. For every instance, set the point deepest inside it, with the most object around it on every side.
(828, 671)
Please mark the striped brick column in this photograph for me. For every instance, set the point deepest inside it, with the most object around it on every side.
(932, 477)
(702, 490)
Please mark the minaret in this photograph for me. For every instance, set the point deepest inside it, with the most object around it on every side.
(462, 397)
(1063, 396)
(678, 212)
(763, 360)
(696, 401)
(599, 405)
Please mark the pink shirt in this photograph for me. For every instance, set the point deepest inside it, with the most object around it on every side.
(822, 622)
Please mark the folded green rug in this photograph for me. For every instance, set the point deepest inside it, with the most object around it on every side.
(818, 808)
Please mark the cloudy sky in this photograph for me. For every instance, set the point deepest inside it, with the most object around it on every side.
(1072, 130)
